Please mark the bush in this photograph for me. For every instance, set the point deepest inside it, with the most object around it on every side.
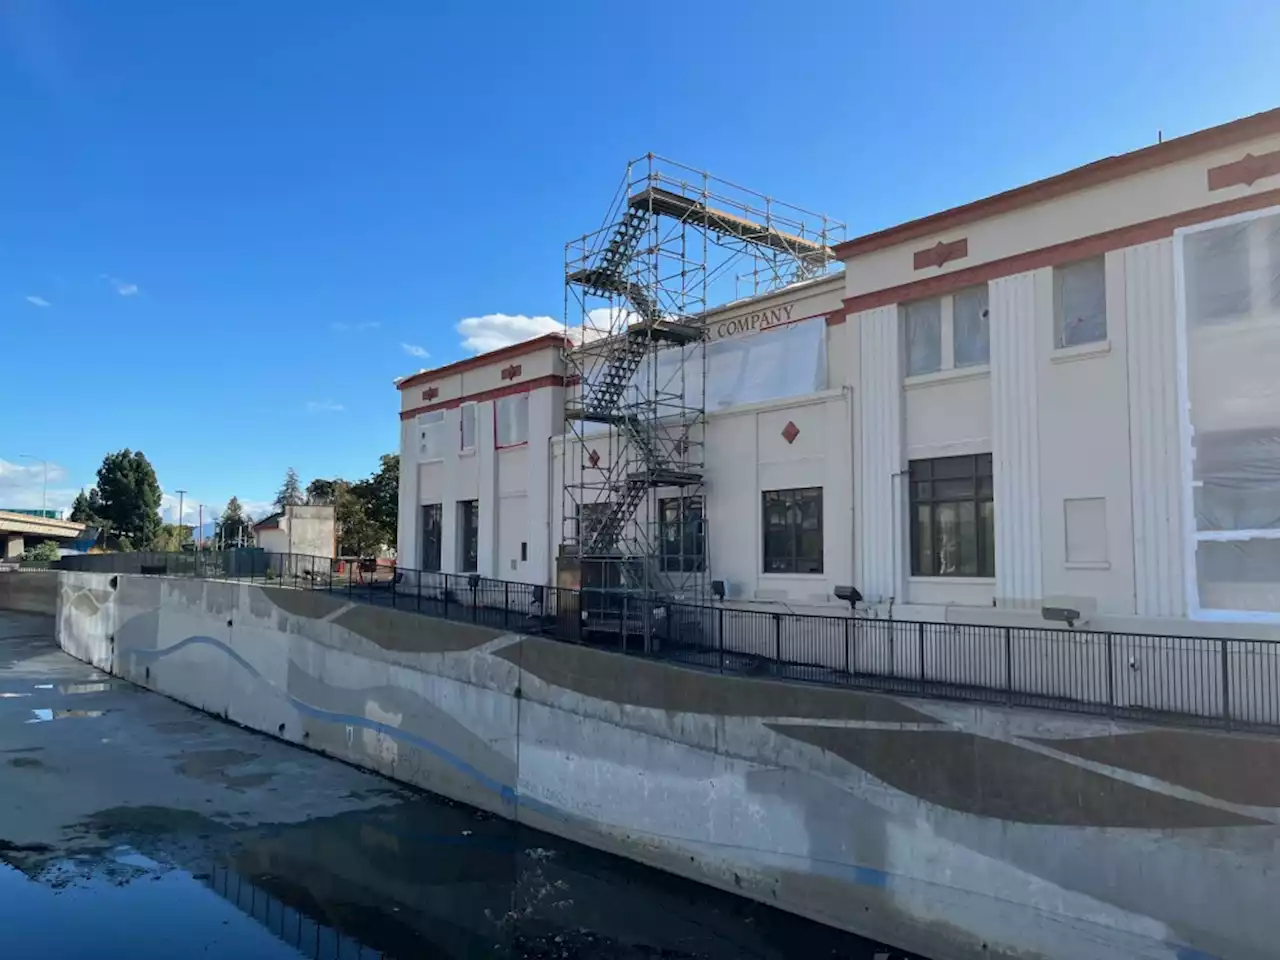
(45, 552)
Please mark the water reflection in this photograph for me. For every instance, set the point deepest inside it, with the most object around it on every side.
(421, 878)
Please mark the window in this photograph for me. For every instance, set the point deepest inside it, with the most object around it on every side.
(431, 435)
(793, 531)
(1231, 291)
(467, 427)
(682, 534)
(468, 536)
(431, 537)
(924, 337)
(972, 325)
(952, 517)
(511, 420)
(947, 333)
(1080, 303)
(1233, 271)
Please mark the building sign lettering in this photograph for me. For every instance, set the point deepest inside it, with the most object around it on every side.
(755, 322)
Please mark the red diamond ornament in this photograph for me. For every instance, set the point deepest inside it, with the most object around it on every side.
(790, 432)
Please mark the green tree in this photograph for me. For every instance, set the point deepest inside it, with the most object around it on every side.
(234, 524)
(129, 496)
(87, 508)
(171, 538)
(47, 551)
(380, 497)
(290, 491)
(322, 492)
(358, 535)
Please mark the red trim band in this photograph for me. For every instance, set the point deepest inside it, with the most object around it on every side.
(1059, 253)
(550, 380)
(484, 359)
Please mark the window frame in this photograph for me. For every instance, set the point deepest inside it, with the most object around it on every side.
(1193, 537)
(471, 408)
(948, 360)
(691, 557)
(924, 471)
(519, 399)
(791, 561)
(437, 424)
(1059, 308)
(436, 553)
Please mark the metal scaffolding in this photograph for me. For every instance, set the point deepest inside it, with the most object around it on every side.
(676, 242)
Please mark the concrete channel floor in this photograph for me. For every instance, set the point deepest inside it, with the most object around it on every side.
(133, 826)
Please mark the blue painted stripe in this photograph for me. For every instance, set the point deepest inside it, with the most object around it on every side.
(505, 791)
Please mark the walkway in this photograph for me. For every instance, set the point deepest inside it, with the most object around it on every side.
(134, 826)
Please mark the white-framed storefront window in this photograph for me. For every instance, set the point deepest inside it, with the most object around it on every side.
(1227, 276)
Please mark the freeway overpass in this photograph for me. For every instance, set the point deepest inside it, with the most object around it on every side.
(18, 528)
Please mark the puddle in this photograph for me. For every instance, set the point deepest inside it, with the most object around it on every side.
(44, 715)
(74, 688)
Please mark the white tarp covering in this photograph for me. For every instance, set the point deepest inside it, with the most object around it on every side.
(786, 361)
(1231, 300)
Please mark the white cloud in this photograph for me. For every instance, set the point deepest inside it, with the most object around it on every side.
(495, 330)
(38, 301)
(257, 508)
(323, 406)
(413, 350)
(122, 287)
(22, 486)
(190, 508)
(340, 326)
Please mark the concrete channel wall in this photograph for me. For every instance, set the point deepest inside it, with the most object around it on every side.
(29, 591)
(958, 832)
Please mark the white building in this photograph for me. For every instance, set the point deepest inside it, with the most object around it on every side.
(1068, 393)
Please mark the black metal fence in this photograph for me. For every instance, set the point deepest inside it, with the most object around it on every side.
(1203, 680)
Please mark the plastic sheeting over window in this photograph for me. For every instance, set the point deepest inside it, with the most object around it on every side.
(1080, 290)
(432, 437)
(971, 322)
(512, 420)
(924, 337)
(1231, 299)
(774, 364)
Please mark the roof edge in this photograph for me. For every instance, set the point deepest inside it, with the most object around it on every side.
(484, 359)
(1079, 178)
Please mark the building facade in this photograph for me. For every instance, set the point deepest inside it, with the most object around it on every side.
(1062, 395)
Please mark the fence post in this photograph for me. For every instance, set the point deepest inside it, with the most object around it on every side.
(445, 595)
(394, 571)
(1008, 665)
(418, 590)
(1111, 675)
(506, 605)
(623, 632)
(920, 638)
(1226, 682)
(777, 639)
(720, 637)
(848, 629)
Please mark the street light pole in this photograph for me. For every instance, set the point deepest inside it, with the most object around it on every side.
(44, 490)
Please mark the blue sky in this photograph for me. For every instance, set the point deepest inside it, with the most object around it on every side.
(225, 228)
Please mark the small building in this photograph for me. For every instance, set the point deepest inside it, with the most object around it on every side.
(309, 531)
(1064, 394)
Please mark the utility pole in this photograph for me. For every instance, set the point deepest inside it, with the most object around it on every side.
(200, 530)
(44, 491)
(181, 494)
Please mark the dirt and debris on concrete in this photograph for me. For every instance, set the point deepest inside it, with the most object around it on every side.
(137, 827)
